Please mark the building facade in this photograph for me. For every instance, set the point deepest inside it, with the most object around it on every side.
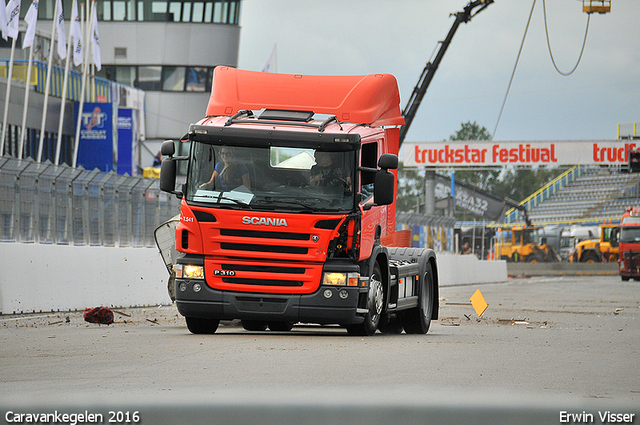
(166, 48)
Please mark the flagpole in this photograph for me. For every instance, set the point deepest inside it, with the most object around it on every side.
(64, 97)
(7, 95)
(47, 82)
(26, 103)
(82, 94)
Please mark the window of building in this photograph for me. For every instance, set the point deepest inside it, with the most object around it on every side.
(126, 75)
(199, 11)
(175, 11)
(150, 78)
(173, 78)
(199, 79)
(160, 78)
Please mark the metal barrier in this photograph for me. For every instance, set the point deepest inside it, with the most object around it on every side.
(45, 203)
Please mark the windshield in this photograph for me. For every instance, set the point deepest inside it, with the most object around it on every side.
(630, 234)
(271, 178)
(631, 219)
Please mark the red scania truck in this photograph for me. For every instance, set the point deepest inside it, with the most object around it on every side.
(629, 245)
(288, 203)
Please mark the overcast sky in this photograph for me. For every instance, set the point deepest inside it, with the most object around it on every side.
(354, 37)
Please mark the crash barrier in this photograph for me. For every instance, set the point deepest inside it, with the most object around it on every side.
(45, 278)
(455, 269)
(562, 269)
(273, 405)
(60, 205)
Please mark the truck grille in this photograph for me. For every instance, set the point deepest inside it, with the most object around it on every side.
(261, 241)
(264, 235)
(266, 259)
(262, 282)
(264, 248)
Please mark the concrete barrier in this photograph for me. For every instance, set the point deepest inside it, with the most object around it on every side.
(562, 269)
(44, 278)
(454, 269)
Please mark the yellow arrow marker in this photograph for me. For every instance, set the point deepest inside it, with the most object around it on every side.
(478, 303)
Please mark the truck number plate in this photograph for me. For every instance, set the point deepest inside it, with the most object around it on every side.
(224, 273)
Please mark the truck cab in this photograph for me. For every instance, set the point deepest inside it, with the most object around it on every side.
(289, 197)
(629, 244)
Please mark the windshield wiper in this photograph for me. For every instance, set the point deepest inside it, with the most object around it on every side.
(221, 197)
(298, 202)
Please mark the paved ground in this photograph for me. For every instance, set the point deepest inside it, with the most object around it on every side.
(576, 337)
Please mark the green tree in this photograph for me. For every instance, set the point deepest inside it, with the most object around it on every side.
(519, 183)
(484, 178)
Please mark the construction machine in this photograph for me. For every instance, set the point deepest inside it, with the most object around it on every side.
(523, 242)
(601, 250)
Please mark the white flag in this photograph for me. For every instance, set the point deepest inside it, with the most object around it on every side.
(95, 40)
(76, 33)
(31, 18)
(3, 21)
(62, 43)
(270, 63)
(13, 16)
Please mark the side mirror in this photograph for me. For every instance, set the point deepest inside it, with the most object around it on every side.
(168, 175)
(388, 161)
(384, 187)
(168, 148)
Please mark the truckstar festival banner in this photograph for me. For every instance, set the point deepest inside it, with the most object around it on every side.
(488, 153)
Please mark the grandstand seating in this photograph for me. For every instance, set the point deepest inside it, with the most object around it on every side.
(599, 194)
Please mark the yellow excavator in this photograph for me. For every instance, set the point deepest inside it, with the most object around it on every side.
(523, 242)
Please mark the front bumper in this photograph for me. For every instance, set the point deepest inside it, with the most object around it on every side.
(328, 305)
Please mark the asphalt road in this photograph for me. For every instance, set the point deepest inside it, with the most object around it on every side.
(552, 342)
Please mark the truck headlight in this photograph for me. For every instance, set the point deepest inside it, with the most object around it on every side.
(340, 279)
(189, 271)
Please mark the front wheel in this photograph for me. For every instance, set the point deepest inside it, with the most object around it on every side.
(590, 257)
(375, 304)
(417, 320)
(197, 325)
(535, 258)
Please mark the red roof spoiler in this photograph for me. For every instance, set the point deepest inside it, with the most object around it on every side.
(366, 99)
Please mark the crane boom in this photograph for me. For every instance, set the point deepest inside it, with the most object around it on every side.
(430, 69)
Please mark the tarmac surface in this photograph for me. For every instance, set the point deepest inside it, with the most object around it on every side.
(546, 344)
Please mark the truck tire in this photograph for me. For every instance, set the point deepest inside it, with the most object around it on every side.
(417, 320)
(375, 303)
(198, 326)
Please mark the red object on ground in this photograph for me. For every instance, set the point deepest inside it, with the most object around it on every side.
(100, 315)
